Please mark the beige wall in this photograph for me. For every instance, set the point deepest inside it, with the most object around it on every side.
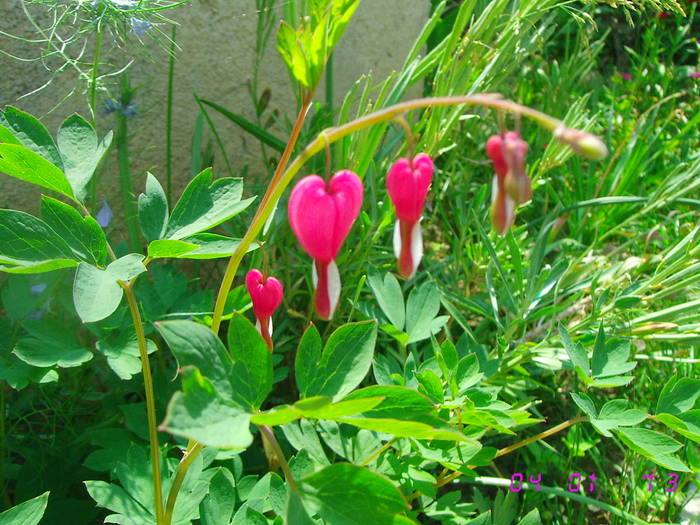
(217, 40)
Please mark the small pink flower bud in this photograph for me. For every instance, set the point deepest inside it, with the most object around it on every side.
(581, 142)
(516, 182)
(321, 215)
(408, 183)
(266, 294)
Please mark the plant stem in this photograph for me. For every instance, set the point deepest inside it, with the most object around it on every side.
(279, 181)
(150, 399)
(516, 446)
(191, 453)
(269, 435)
(95, 74)
(263, 209)
(384, 447)
(501, 482)
(169, 121)
(122, 140)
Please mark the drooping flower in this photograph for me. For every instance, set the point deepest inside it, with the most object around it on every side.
(408, 182)
(511, 185)
(266, 294)
(502, 206)
(321, 215)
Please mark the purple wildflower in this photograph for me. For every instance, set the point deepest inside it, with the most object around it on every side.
(140, 27)
(104, 216)
(626, 76)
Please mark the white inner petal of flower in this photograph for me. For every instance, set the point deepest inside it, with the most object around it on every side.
(333, 285)
(397, 239)
(416, 246)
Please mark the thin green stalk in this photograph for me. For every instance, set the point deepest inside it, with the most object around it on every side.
(277, 187)
(191, 453)
(169, 121)
(269, 435)
(122, 140)
(150, 400)
(95, 73)
(506, 483)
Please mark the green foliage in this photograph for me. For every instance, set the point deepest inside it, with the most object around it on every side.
(27, 513)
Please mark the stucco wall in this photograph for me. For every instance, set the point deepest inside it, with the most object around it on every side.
(217, 46)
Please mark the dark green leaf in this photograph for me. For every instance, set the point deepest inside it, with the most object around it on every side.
(199, 413)
(252, 369)
(153, 210)
(22, 163)
(83, 235)
(29, 245)
(31, 134)
(122, 352)
(389, 296)
(653, 445)
(217, 507)
(614, 414)
(27, 513)
(678, 395)
(349, 495)
(115, 498)
(296, 513)
(205, 204)
(610, 358)
(81, 152)
(47, 353)
(422, 307)
(345, 361)
(307, 358)
(687, 424)
(577, 354)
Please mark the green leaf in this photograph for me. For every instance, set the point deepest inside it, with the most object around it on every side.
(252, 368)
(431, 385)
(687, 424)
(349, 495)
(259, 133)
(84, 235)
(22, 163)
(217, 507)
(199, 413)
(153, 210)
(246, 515)
(29, 245)
(423, 306)
(467, 372)
(345, 361)
(577, 354)
(196, 345)
(7, 136)
(398, 402)
(585, 403)
(122, 352)
(81, 152)
(678, 395)
(610, 358)
(213, 246)
(115, 498)
(166, 248)
(418, 427)
(96, 293)
(48, 353)
(29, 512)
(307, 357)
(653, 445)
(614, 414)
(531, 518)
(296, 513)
(205, 204)
(19, 374)
(389, 296)
(31, 134)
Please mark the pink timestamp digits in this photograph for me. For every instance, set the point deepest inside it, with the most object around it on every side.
(579, 482)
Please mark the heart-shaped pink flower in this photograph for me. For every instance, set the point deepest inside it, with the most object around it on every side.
(266, 294)
(408, 182)
(321, 215)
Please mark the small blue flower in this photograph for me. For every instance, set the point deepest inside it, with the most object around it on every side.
(37, 289)
(36, 315)
(110, 106)
(104, 216)
(140, 27)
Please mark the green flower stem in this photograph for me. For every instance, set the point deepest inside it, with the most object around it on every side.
(191, 453)
(269, 435)
(506, 483)
(150, 399)
(519, 444)
(122, 140)
(279, 183)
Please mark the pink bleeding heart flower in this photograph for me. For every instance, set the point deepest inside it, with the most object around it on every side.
(408, 182)
(516, 182)
(502, 206)
(266, 294)
(321, 215)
